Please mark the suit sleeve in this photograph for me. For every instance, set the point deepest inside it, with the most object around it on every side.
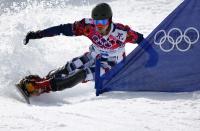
(83, 27)
(78, 28)
(64, 29)
(133, 36)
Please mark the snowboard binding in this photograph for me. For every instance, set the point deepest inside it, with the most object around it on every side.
(32, 85)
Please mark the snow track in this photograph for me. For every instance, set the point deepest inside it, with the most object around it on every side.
(78, 109)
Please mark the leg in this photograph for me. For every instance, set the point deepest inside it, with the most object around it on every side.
(61, 83)
(67, 76)
(72, 73)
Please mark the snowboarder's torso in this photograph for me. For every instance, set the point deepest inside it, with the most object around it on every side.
(112, 45)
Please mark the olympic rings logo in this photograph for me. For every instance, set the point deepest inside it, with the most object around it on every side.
(176, 38)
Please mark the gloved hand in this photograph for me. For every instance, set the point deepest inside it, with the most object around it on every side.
(140, 38)
(31, 35)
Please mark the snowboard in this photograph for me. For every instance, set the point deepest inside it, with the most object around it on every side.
(22, 93)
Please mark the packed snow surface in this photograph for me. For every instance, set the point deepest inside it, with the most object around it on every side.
(78, 109)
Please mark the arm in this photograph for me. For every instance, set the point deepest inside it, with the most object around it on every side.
(76, 29)
(65, 29)
(133, 36)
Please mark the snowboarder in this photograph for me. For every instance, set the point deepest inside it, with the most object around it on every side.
(108, 40)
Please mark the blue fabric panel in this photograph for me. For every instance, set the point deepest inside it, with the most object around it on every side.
(167, 60)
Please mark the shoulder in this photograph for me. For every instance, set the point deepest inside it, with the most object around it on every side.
(120, 31)
(85, 21)
(83, 27)
(122, 27)
(88, 21)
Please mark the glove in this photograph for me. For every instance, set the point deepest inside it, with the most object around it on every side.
(31, 35)
(140, 38)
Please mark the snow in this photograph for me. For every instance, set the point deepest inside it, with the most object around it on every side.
(78, 109)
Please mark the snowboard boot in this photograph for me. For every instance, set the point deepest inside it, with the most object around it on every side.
(33, 85)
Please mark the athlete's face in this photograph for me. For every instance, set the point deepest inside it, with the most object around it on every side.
(102, 26)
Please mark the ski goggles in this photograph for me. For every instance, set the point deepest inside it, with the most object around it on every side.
(101, 22)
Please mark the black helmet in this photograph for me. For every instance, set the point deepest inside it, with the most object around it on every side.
(102, 11)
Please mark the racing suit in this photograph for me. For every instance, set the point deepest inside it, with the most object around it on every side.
(110, 48)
